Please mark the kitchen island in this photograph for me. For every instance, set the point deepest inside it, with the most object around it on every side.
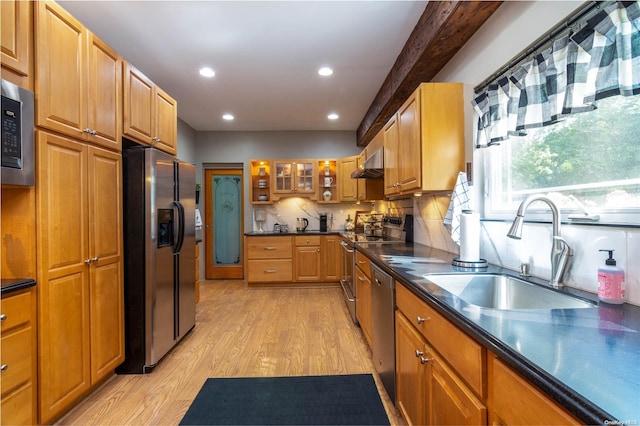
(586, 360)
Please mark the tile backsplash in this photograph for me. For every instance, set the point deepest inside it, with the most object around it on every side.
(535, 246)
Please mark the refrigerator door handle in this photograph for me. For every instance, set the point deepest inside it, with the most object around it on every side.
(180, 239)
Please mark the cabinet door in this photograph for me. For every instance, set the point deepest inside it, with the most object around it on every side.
(305, 177)
(451, 402)
(307, 263)
(104, 89)
(166, 120)
(411, 374)
(363, 303)
(409, 144)
(283, 177)
(63, 273)
(347, 187)
(16, 35)
(60, 70)
(332, 258)
(391, 184)
(138, 114)
(105, 248)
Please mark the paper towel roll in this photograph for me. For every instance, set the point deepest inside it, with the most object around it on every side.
(469, 236)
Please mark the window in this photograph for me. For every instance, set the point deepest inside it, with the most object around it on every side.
(591, 158)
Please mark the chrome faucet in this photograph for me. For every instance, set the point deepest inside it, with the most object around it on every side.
(560, 250)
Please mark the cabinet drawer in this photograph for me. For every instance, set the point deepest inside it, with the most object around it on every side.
(270, 270)
(17, 408)
(16, 357)
(269, 248)
(513, 400)
(17, 310)
(363, 263)
(463, 353)
(307, 240)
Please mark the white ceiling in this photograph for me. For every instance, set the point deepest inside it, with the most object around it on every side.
(265, 54)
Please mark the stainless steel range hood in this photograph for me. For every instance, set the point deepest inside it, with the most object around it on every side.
(373, 166)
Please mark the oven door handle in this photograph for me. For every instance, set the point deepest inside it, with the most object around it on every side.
(345, 246)
(346, 293)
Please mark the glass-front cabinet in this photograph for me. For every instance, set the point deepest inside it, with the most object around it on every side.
(294, 177)
(260, 182)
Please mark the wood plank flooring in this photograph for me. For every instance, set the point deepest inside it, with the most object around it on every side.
(240, 332)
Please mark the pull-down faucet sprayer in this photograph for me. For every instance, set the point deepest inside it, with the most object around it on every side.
(560, 250)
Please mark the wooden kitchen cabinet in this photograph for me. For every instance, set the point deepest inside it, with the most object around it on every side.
(150, 114)
(512, 400)
(294, 178)
(18, 356)
(17, 42)
(347, 186)
(424, 141)
(78, 79)
(454, 388)
(370, 189)
(79, 232)
(269, 259)
(331, 259)
(328, 181)
(307, 258)
(362, 278)
(260, 186)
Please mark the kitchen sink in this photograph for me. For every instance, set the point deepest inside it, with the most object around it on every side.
(505, 292)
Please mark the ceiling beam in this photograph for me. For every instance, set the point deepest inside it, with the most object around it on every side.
(443, 28)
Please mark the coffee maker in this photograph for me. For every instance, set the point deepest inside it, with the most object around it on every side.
(323, 222)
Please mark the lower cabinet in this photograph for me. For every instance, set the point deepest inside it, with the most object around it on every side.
(362, 279)
(429, 390)
(513, 400)
(80, 271)
(286, 259)
(18, 358)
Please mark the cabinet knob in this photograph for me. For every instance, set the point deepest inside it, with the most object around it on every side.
(420, 320)
(3, 317)
(419, 353)
(87, 261)
(94, 259)
(424, 360)
(4, 367)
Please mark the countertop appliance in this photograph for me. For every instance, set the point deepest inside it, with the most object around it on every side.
(18, 161)
(383, 326)
(159, 253)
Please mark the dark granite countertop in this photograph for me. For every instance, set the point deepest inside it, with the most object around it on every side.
(14, 284)
(587, 360)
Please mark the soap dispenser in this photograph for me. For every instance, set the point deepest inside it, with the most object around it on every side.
(611, 281)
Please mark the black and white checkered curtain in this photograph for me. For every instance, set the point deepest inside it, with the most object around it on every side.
(600, 60)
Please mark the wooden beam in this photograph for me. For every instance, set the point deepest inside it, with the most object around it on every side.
(443, 28)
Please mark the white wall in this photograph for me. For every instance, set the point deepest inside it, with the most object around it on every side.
(186, 142)
(514, 26)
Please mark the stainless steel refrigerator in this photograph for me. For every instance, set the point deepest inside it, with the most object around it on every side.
(159, 255)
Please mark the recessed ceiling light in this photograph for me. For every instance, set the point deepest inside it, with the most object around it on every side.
(325, 71)
(207, 72)
(228, 117)
(333, 116)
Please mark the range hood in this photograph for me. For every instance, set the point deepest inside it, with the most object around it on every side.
(373, 166)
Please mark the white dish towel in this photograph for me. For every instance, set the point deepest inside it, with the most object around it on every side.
(198, 220)
(459, 202)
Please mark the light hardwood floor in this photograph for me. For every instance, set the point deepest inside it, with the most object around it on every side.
(240, 332)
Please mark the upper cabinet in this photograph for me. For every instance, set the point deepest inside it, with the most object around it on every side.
(328, 184)
(17, 41)
(347, 187)
(424, 141)
(260, 182)
(150, 114)
(293, 177)
(78, 79)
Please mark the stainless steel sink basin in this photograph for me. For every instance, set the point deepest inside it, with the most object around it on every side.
(505, 292)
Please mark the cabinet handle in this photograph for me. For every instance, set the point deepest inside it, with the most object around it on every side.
(87, 261)
(318, 250)
(420, 320)
(93, 132)
(360, 278)
(424, 360)
(269, 248)
(86, 130)
(361, 262)
(4, 367)
(419, 353)
(94, 259)
(270, 271)
(3, 317)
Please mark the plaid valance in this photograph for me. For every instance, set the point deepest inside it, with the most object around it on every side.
(600, 60)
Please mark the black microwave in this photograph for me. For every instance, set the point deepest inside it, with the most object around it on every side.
(18, 160)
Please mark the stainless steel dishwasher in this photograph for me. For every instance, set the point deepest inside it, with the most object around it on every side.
(383, 324)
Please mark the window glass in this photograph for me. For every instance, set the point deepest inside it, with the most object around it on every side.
(590, 159)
